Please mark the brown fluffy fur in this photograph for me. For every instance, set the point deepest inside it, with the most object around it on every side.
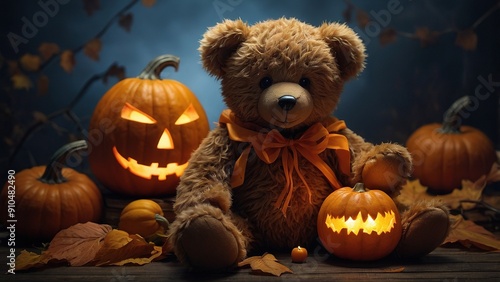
(241, 55)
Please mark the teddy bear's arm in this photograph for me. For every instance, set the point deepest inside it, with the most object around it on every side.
(206, 179)
(358, 147)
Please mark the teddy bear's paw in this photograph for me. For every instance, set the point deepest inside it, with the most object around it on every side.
(208, 245)
(423, 232)
(386, 168)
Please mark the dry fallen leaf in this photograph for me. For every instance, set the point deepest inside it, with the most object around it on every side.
(120, 248)
(67, 61)
(265, 264)
(79, 243)
(469, 234)
(47, 50)
(93, 48)
(467, 39)
(30, 62)
(413, 191)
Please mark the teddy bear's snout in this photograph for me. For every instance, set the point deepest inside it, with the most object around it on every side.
(287, 102)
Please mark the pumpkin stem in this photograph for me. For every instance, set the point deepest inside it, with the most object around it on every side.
(53, 171)
(162, 221)
(452, 121)
(154, 68)
(359, 187)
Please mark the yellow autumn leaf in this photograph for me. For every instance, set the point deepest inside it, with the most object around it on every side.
(21, 81)
(67, 61)
(28, 260)
(93, 48)
(120, 248)
(30, 62)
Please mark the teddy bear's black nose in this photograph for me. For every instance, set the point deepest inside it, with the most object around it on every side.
(287, 102)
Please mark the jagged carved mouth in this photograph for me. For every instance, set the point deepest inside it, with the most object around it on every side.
(147, 171)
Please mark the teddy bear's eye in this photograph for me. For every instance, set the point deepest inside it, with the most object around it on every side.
(305, 82)
(265, 82)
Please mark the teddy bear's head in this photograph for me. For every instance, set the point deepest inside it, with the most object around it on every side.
(281, 73)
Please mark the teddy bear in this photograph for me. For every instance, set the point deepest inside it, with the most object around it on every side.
(257, 181)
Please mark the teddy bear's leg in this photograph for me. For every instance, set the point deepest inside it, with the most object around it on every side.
(206, 234)
(425, 227)
(385, 167)
(206, 238)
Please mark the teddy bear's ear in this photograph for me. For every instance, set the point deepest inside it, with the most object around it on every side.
(346, 47)
(220, 42)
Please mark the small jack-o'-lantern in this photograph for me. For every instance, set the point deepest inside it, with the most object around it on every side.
(359, 224)
(143, 131)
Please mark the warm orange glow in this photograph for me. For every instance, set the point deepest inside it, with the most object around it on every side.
(189, 115)
(130, 112)
(381, 224)
(147, 172)
(166, 141)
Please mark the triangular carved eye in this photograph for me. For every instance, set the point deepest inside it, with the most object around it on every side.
(132, 113)
(189, 115)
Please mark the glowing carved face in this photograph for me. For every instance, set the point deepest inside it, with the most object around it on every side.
(359, 224)
(380, 224)
(165, 142)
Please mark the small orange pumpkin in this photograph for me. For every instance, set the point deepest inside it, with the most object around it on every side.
(359, 224)
(445, 154)
(143, 131)
(143, 217)
(51, 198)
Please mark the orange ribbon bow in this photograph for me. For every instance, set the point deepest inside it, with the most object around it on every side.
(269, 145)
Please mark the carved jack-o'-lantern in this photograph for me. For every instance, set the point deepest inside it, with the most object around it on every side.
(359, 224)
(143, 131)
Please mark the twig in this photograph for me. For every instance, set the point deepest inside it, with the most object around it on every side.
(486, 15)
(482, 203)
(98, 35)
(64, 111)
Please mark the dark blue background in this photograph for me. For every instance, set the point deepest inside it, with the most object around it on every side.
(404, 85)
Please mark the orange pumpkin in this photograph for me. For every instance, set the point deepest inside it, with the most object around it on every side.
(143, 131)
(50, 198)
(445, 154)
(359, 224)
(143, 217)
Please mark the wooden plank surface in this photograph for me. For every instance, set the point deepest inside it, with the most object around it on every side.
(444, 264)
